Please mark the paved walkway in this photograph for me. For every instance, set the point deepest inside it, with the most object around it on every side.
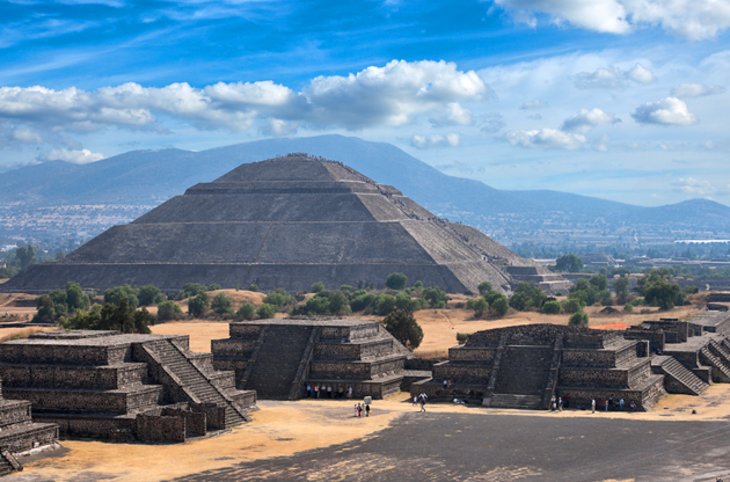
(463, 447)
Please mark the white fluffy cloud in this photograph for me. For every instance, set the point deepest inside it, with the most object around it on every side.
(395, 94)
(546, 137)
(612, 77)
(587, 119)
(76, 156)
(692, 19)
(667, 111)
(696, 90)
(436, 140)
(599, 15)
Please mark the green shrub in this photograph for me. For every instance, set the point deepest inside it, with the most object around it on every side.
(317, 287)
(265, 311)
(551, 307)
(396, 281)
(403, 326)
(461, 338)
(198, 305)
(150, 295)
(221, 305)
(247, 311)
(169, 310)
(579, 319)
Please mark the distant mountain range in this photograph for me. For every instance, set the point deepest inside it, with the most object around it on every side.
(149, 177)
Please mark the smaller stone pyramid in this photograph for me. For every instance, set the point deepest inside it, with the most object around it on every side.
(283, 223)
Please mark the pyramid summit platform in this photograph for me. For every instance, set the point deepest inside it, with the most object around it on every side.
(285, 223)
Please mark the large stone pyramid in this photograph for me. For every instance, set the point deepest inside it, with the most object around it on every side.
(283, 223)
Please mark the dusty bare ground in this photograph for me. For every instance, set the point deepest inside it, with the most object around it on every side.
(199, 331)
(285, 428)
(279, 428)
(441, 326)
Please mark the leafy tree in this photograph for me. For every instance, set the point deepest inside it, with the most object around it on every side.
(660, 290)
(265, 311)
(498, 305)
(279, 298)
(317, 287)
(599, 281)
(484, 288)
(526, 296)
(396, 281)
(480, 307)
(435, 297)
(46, 310)
(76, 298)
(190, 290)
(579, 319)
(403, 301)
(198, 305)
(551, 307)
(568, 263)
(247, 311)
(150, 295)
(572, 305)
(621, 288)
(403, 326)
(169, 310)
(221, 305)
(585, 292)
(111, 316)
(122, 292)
(338, 303)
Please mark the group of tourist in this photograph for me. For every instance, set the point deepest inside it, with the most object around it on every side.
(361, 408)
(328, 391)
(612, 405)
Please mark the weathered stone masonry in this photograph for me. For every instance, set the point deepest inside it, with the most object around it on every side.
(115, 386)
(278, 358)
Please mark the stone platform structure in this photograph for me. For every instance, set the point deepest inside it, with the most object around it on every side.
(121, 387)
(19, 434)
(278, 358)
(525, 366)
(284, 223)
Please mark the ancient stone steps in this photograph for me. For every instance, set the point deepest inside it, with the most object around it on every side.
(8, 463)
(193, 379)
(670, 367)
(277, 360)
(723, 371)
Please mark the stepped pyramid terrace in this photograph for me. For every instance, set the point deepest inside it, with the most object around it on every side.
(20, 435)
(121, 387)
(527, 366)
(287, 223)
(279, 358)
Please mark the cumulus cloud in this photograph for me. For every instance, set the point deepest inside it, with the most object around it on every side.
(692, 19)
(394, 94)
(696, 90)
(76, 156)
(587, 119)
(699, 187)
(546, 137)
(613, 77)
(435, 140)
(667, 111)
(600, 15)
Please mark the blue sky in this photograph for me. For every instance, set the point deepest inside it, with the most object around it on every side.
(622, 99)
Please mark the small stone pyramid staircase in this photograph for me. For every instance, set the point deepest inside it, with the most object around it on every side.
(274, 371)
(678, 378)
(720, 367)
(193, 381)
(8, 463)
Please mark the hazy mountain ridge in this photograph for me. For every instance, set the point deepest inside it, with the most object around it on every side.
(149, 177)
